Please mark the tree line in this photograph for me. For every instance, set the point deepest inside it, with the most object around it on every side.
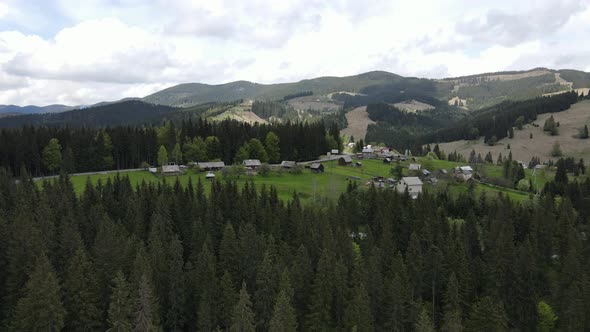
(167, 257)
(88, 149)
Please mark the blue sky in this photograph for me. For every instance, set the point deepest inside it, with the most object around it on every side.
(82, 52)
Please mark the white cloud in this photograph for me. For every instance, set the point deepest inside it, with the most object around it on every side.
(111, 49)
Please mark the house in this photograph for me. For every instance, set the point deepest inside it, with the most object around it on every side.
(153, 169)
(426, 172)
(359, 156)
(210, 176)
(387, 160)
(345, 160)
(414, 167)
(433, 181)
(287, 164)
(335, 151)
(317, 168)
(464, 169)
(523, 164)
(444, 171)
(171, 170)
(368, 152)
(211, 165)
(464, 173)
(412, 184)
(252, 163)
(540, 166)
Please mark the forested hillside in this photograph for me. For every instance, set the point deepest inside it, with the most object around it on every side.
(86, 149)
(170, 258)
(133, 112)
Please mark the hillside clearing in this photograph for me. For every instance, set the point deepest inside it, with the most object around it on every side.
(320, 103)
(413, 106)
(524, 148)
(358, 121)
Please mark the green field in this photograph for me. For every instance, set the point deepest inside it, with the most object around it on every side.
(314, 187)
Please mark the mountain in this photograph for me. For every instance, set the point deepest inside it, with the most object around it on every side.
(198, 93)
(312, 99)
(13, 109)
(468, 92)
(131, 112)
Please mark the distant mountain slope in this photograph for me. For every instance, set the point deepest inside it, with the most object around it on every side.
(132, 112)
(468, 92)
(197, 93)
(13, 109)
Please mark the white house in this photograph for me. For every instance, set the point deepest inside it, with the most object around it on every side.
(414, 167)
(412, 183)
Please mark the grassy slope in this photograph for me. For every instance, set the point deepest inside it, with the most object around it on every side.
(524, 148)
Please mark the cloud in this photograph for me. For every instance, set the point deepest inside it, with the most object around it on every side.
(509, 29)
(111, 49)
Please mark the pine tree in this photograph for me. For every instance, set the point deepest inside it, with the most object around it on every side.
(284, 318)
(40, 309)
(176, 287)
(272, 148)
(452, 318)
(266, 289)
(162, 156)
(487, 315)
(320, 313)
(177, 154)
(52, 155)
(358, 314)
(81, 300)
(146, 308)
(121, 307)
(243, 317)
(226, 300)
(424, 323)
(561, 173)
(546, 317)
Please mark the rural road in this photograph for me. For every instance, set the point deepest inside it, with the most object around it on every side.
(90, 173)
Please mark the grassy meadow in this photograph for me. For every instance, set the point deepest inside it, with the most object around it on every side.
(314, 187)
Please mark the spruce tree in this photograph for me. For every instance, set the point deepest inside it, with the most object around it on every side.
(284, 317)
(176, 302)
(452, 317)
(424, 322)
(320, 311)
(358, 314)
(227, 299)
(121, 307)
(243, 317)
(487, 314)
(82, 297)
(40, 309)
(145, 308)
(266, 289)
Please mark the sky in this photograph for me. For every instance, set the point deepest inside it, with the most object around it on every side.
(81, 52)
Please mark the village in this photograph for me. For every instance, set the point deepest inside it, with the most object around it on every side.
(401, 172)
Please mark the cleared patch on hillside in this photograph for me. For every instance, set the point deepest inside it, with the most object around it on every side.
(524, 148)
(320, 103)
(358, 121)
(413, 106)
(578, 91)
(239, 115)
(345, 92)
